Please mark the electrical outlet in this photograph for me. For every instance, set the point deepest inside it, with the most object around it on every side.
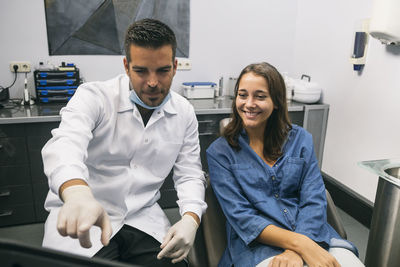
(184, 64)
(23, 66)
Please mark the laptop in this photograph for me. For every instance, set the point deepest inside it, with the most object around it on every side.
(13, 254)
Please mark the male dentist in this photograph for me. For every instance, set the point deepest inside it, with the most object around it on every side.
(116, 143)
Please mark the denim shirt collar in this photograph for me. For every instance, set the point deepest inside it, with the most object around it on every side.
(291, 134)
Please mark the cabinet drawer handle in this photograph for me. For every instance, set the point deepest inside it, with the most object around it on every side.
(5, 213)
(206, 121)
(5, 193)
(206, 133)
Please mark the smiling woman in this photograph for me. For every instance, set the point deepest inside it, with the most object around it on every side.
(265, 175)
(260, 98)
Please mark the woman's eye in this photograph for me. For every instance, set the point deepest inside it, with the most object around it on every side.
(242, 95)
(261, 96)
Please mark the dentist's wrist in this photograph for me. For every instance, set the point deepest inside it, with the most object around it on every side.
(192, 216)
(69, 183)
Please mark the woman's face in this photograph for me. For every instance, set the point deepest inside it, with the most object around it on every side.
(253, 102)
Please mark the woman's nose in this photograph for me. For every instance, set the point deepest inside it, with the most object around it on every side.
(250, 102)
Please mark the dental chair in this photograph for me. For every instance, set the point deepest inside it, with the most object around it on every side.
(213, 221)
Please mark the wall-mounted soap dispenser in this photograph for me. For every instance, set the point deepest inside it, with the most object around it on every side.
(385, 21)
(360, 44)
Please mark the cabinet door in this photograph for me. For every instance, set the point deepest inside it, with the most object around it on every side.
(208, 132)
(16, 205)
(12, 144)
(37, 136)
(315, 122)
(40, 191)
(14, 175)
(15, 195)
(17, 214)
(13, 151)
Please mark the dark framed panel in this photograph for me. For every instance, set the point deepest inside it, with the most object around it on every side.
(97, 27)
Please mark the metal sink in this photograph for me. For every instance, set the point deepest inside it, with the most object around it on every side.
(388, 169)
(394, 172)
(384, 235)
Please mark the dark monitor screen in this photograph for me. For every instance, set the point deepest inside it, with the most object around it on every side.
(14, 254)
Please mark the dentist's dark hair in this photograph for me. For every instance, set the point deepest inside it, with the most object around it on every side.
(278, 124)
(149, 33)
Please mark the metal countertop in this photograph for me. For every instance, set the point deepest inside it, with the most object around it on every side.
(50, 112)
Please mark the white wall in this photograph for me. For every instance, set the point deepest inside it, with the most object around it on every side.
(225, 36)
(308, 36)
(364, 109)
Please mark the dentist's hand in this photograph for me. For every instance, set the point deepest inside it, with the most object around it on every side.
(79, 212)
(179, 239)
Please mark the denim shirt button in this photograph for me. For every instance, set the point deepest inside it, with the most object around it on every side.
(273, 178)
(284, 210)
(277, 195)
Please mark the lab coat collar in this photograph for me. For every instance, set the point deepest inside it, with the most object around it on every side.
(169, 107)
(124, 102)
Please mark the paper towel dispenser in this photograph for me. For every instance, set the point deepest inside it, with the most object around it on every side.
(385, 22)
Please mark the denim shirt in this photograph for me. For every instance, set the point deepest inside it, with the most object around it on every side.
(290, 195)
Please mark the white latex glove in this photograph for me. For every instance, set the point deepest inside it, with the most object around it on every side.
(79, 212)
(179, 239)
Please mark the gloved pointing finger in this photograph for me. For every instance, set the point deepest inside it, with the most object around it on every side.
(79, 213)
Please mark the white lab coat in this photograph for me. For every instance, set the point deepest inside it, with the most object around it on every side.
(102, 139)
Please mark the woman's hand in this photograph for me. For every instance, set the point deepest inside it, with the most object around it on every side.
(310, 252)
(314, 255)
(288, 258)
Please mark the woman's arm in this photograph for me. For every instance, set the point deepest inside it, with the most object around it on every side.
(309, 251)
(311, 218)
(239, 212)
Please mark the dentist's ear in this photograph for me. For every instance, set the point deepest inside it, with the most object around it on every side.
(175, 65)
(126, 65)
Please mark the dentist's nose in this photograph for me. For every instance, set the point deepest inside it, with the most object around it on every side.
(152, 81)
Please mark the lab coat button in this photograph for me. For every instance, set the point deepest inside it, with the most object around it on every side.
(135, 166)
(159, 112)
(146, 140)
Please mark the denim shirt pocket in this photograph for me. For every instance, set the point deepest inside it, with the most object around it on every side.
(251, 182)
(292, 171)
